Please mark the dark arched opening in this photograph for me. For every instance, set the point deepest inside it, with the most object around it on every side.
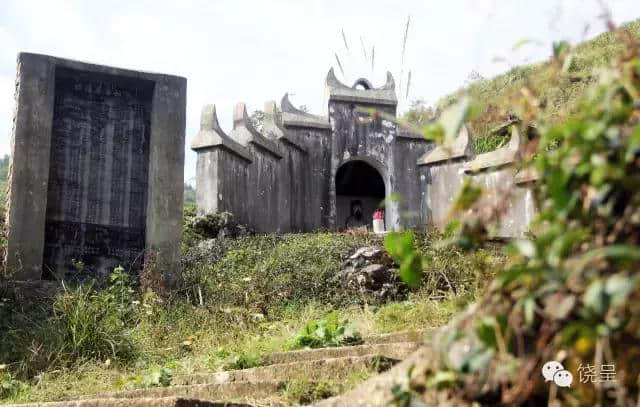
(362, 84)
(359, 188)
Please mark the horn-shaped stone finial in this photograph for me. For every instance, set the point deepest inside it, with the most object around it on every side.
(244, 132)
(210, 132)
(240, 116)
(209, 118)
(292, 116)
(270, 126)
(212, 135)
(390, 84)
(332, 81)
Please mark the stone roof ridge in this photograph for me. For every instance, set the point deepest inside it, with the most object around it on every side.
(292, 116)
(244, 132)
(272, 128)
(212, 135)
(386, 94)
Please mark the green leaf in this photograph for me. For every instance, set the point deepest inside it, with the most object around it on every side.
(442, 379)
(595, 297)
(529, 306)
(411, 270)
(486, 332)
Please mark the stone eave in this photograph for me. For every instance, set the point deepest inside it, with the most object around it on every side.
(497, 158)
(293, 117)
(460, 148)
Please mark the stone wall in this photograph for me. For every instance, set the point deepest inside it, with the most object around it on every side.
(314, 133)
(291, 177)
(446, 167)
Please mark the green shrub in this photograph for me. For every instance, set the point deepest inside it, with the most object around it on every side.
(267, 273)
(242, 360)
(326, 332)
(570, 290)
(10, 388)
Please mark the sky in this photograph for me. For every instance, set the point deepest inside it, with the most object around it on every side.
(234, 51)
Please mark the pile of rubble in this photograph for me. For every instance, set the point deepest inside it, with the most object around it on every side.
(373, 275)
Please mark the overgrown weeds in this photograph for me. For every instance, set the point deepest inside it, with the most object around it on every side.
(326, 332)
(568, 293)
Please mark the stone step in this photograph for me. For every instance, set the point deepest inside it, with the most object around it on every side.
(376, 392)
(246, 392)
(397, 351)
(137, 402)
(321, 369)
(420, 336)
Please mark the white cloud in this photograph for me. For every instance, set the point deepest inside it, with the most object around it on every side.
(251, 51)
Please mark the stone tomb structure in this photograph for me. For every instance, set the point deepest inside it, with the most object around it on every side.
(96, 177)
(303, 172)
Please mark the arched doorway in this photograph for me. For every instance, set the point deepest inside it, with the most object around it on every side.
(358, 185)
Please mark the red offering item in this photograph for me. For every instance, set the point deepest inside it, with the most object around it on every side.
(378, 214)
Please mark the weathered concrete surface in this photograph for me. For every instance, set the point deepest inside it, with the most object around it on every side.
(262, 179)
(376, 140)
(138, 402)
(516, 202)
(321, 369)
(409, 181)
(505, 155)
(376, 392)
(292, 172)
(460, 147)
(384, 95)
(221, 170)
(243, 391)
(495, 173)
(357, 135)
(51, 94)
(443, 181)
(295, 180)
(314, 133)
(420, 336)
(396, 351)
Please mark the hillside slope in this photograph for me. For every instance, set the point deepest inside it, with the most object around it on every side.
(558, 94)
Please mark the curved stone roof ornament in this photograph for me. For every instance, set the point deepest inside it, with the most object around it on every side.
(212, 135)
(384, 95)
(333, 82)
(461, 147)
(294, 117)
(497, 158)
(244, 132)
(390, 84)
(271, 126)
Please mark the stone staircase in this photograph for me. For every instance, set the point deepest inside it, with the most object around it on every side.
(264, 385)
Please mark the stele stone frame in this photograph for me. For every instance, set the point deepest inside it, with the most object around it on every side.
(97, 167)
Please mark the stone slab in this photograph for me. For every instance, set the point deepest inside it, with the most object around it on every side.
(139, 402)
(97, 165)
(419, 336)
(322, 369)
(390, 350)
(376, 392)
(210, 391)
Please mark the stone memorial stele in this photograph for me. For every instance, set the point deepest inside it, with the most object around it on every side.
(96, 176)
